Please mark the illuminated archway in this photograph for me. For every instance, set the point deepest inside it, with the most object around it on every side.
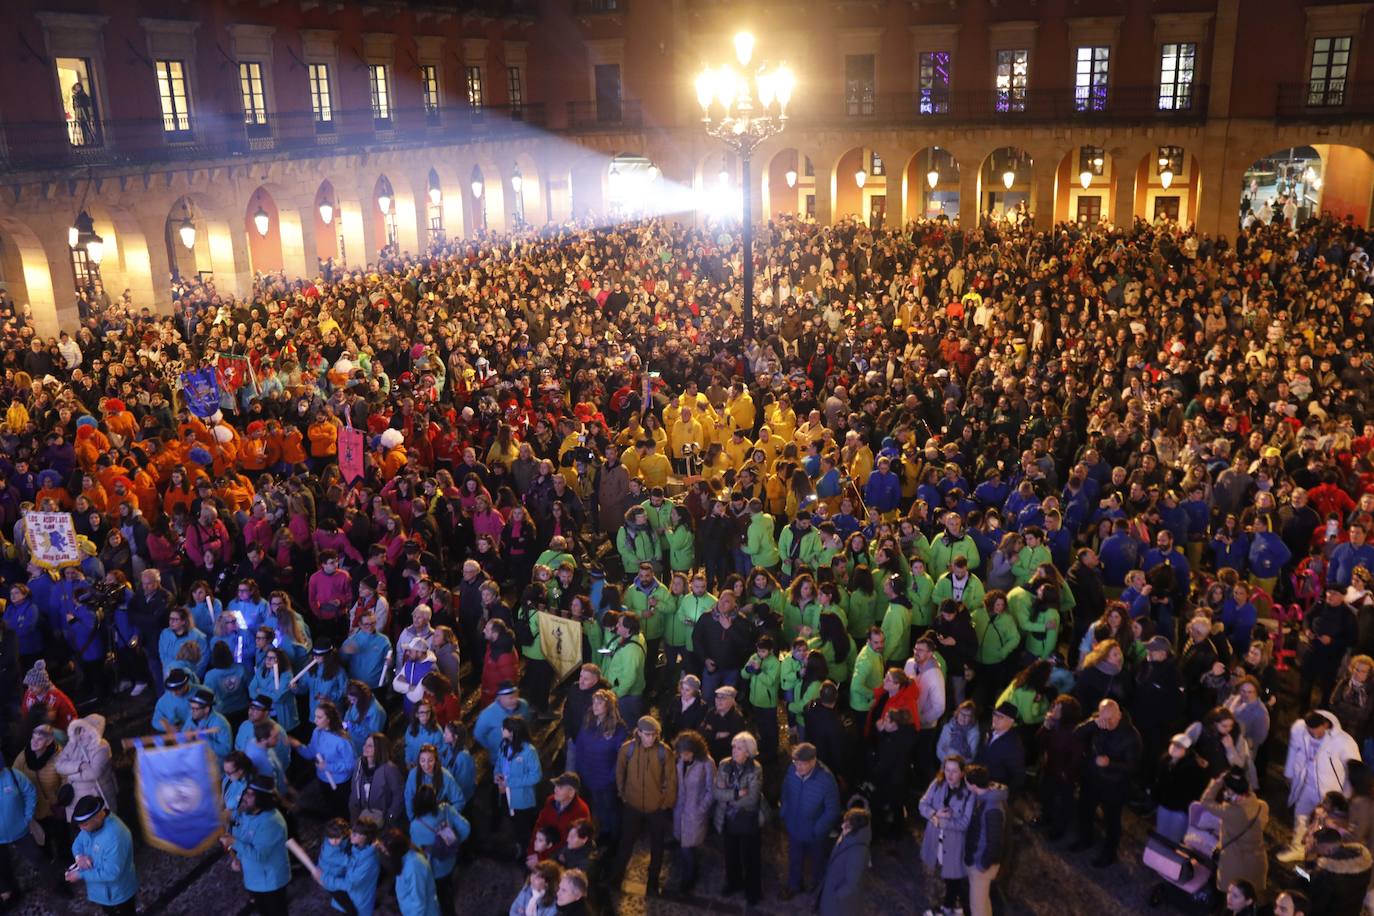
(631, 180)
(1167, 185)
(789, 185)
(328, 220)
(1004, 184)
(262, 223)
(1304, 181)
(1085, 186)
(859, 186)
(932, 184)
(26, 274)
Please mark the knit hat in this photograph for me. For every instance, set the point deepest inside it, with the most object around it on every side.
(37, 678)
(87, 807)
(648, 724)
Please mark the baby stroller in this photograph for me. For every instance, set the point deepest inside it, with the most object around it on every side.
(1187, 868)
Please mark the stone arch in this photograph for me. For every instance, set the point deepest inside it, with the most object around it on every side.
(997, 196)
(927, 200)
(1175, 195)
(27, 274)
(1087, 179)
(219, 247)
(1318, 177)
(127, 263)
(858, 189)
(327, 233)
(788, 184)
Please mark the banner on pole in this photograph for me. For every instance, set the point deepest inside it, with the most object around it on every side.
(351, 454)
(561, 640)
(179, 804)
(202, 391)
(233, 372)
(51, 539)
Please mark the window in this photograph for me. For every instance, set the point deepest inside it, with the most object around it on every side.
(1170, 158)
(1176, 76)
(875, 164)
(860, 85)
(515, 88)
(809, 168)
(474, 75)
(1013, 71)
(933, 77)
(1090, 159)
(1089, 209)
(321, 102)
(78, 102)
(171, 90)
(429, 83)
(608, 98)
(250, 90)
(381, 93)
(1166, 208)
(1090, 78)
(1330, 59)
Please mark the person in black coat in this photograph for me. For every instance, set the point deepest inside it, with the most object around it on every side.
(1003, 753)
(579, 702)
(1204, 667)
(827, 731)
(1158, 703)
(1332, 628)
(958, 645)
(1112, 749)
(1090, 600)
(722, 723)
(1061, 760)
(1103, 676)
(888, 770)
(1178, 782)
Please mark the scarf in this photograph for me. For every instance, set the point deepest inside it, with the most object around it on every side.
(36, 762)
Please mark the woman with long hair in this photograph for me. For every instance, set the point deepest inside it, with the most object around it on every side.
(815, 672)
(428, 771)
(438, 829)
(291, 631)
(862, 601)
(837, 646)
(363, 716)
(539, 896)
(947, 806)
(1102, 676)
(273, 680)
(424, 729)
(376, 792)
(416, 892)
(331, 750)
(598, 742)
(696, 777)
(516, 772)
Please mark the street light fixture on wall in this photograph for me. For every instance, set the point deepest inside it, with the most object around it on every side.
(791, 176)
(326, 211)
(261, 221)
(187, 229)
(477, 187)
(861, 178)
(743, 107)
(1085, 178)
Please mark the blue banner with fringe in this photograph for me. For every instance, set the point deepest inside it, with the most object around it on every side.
(201, 389)
(178, 791)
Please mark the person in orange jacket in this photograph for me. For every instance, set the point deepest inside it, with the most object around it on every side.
(290, 444)
(324, 440)
(253, 456)
(120, 421)
(95, 494)
(180, 491)
(391, 453)
(50, 487)
(235, 491)
(91, 443)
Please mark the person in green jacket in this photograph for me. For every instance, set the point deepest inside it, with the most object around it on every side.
(691, 607)
(952, 543)
(537, 678)
(636, 542)
(828, 601)
(790, 674)
(1032, 556)
(648, 597)
(896, 623)
(659, 510)
(556, 553)
(764, 589)
(758, 539)
(862, 602)
(799, 545)
(868, 673)
(960, 585)
(802, 612)
(813, 675)
(1037, 617)
(1030, 693)
(998, 640)
(920, 590)
(763, 674)
(624, 666)
(835, 643)
(681, 538)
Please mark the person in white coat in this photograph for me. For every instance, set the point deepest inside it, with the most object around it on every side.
(410, 673)
(1318, 751)
(85, 762)
(923, 668)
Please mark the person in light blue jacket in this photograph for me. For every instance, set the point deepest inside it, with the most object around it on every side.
(423, 730)
(22, 616)
(516, 771)
(415, 891)
(220, 735)
(204, 607)
(332, 752)
(349, 866)
(178, 632)
(542, 886)
(273, 680)
(428, 772)
(325, 678)
(104, 857)
(18, 797)
(365, 652)
(260, 710)
(173, 709)
(455, 757)
(227, 679)
(237, 768)
(438, 829)
(363, 716)
(487, 729)
(257, 836)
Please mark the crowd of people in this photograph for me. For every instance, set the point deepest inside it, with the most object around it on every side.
(983, 526)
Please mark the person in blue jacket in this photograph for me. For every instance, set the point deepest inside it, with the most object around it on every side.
(455, 757)
(487, 729)
(18, 798)
(365, 652)
(325, 679)
(516, 771)
(204, 607)
(992, 492)
(22, 617)
(85, 636)
(1268, 556)
(331, 750)
(422, 731)
(349, 865)
(228, 680)
(438, 829)
(363, 715)
(415, 891)
(103, 855)
(1238, 617)
(260, 710)
(810, 810)
(429, 772)
(237, 769)
(178, 632)
(173, 709)
(59, 598)
(257, 837)
(219, 735)
(1164, 551)
(1231, 547)
(883, 490)
(1119, 553)
(273, 680)
(1345, 557)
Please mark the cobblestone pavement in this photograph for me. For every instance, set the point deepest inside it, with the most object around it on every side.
(1038, 880)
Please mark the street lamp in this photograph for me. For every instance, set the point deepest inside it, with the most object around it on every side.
(791, 176)
(384, 203)
(477, 187)
(435, 195)
(261, 221)
(860, 178)
(1166, 174)
(742, 107)
(516, 181)
(326, 211)
(1085, 178)
(187, 231)
(1009, 178)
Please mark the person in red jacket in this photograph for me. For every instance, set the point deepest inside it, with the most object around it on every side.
(898, 691)
(562, 809)
(500, 663)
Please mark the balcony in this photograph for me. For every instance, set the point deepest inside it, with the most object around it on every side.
(595, 7)
(1324, 100)
(1123, 103)
(605, 114)
(47, 145)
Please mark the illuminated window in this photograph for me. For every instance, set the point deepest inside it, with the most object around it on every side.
(429, 84)
(474, 75)
(321, 101)
(251, 92)
(860, 85)
(934, 82)
(1013, 73)
(1090, 78)
(1330, 60)
(78, 102)
(515, 88)
(171, 90)
(381, 92)
(1176, 76)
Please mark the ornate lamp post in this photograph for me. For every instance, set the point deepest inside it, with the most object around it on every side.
(742, 107)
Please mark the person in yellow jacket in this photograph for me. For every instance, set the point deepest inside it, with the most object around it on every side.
(768, 443)
(856, 456)
(740, 410)
(684, 434)
(782, 419)
(737, 447)
(654, 467)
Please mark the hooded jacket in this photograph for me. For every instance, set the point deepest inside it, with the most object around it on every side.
(1330, 756)
(85, 762)
(1339, 883)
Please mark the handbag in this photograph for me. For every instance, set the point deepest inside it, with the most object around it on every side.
(1170, 861)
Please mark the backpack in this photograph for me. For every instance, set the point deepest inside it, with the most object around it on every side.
(524, 632)
(446, 844)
